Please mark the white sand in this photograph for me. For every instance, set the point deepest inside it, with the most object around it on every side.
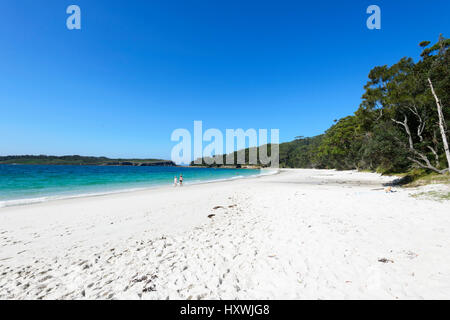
(301, 234)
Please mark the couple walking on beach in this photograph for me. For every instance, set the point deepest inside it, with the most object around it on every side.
(175, 182)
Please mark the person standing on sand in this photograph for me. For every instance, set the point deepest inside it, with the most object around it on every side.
(181, 180)
(175, 182)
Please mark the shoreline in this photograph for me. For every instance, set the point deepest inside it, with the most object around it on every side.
(43, 199)
(299, 234)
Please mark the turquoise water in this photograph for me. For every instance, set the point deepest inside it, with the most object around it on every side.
(24, 183)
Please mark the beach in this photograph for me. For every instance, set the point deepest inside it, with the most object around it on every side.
(298, 234)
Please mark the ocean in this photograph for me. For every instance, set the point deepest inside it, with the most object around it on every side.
(21, 184)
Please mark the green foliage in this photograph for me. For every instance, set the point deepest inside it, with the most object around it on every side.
(76, 160)
(300, 153)
(341, 144)
(382, 150)
(433, 195)
(374, 137)
(421, 177)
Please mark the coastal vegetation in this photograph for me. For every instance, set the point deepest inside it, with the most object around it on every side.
(80, 160)
(401, 126)
(433, 195)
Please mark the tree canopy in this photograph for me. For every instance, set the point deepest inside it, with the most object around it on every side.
(398, 125)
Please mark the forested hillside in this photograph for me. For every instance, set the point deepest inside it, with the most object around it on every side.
(402, 122)
(81, 160)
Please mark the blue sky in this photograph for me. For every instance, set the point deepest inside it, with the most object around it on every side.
(140, 69)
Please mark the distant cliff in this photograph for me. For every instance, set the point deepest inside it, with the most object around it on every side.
(82, 161)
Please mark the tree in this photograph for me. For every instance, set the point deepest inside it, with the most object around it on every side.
(441, 124)
(396, 127)
(440, 70)
(401, 94)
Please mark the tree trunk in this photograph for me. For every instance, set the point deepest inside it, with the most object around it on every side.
(424, 158)
(441, 124)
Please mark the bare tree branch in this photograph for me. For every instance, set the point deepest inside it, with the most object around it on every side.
(436, 156)
(427, 164)
(441, 124)
(405, 125)
(422, 123)
(381, 115)
(427, 167)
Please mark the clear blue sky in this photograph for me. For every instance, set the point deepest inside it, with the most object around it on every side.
(140, 69)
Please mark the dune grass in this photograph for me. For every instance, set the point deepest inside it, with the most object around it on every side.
(432, 195)
(432, 178)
